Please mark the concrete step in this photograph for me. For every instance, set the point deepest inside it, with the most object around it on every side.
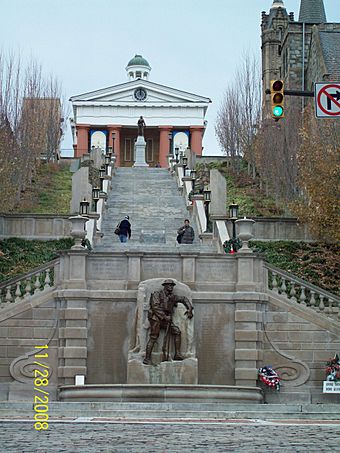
(202, 411)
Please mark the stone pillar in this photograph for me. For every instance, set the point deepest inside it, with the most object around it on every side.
(247, 341)
(218, 187)
(82, 140)
(116, 129)
(196, 139)
(164, 145)
(73, 341)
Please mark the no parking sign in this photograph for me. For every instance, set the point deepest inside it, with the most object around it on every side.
(327, 100)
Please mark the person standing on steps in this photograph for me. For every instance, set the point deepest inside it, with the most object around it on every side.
(186, 234)
(125, 229)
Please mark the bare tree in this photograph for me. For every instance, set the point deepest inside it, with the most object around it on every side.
(239, 114)
(30, 123)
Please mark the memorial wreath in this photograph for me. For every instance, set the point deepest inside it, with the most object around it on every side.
(333, 369)
(269, 377)
(233, 245)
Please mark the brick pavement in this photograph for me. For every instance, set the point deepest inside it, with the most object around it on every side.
(213, 436)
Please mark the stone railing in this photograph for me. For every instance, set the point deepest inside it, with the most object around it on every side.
(35, 226)
(302, 292)
(32, 283)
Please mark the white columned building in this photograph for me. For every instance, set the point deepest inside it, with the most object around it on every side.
(108, 117)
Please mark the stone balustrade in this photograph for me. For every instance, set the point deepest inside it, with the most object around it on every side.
(302, 292)
(28, 285)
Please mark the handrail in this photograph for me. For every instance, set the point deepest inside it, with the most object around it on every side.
(34, 271)
(300, 281)
(302, 292)
(26, 285)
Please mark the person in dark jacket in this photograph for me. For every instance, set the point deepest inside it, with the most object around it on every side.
(186, 232)
(125, 229)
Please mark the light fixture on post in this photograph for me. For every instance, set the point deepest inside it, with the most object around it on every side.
(207, 200)
(102, 173)
(184, 163)
(113, 142)
(84, 207)
(170, 143)
(107, 163)
(95, 196)
(193, 179)
(233, 215)
(176, 154)
(109, 153)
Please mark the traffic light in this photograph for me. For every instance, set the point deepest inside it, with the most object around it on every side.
(277, 99)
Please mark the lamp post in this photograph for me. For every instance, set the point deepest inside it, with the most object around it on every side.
(207, 200)
(184, 163)
(107, 163)
(102, 172)
(170, 143)
(233, 215)
(84, 207)
(113, 142)
(176, 154)
(95, 196)
(193, 179)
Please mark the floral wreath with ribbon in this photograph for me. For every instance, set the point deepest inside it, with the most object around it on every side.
(270, 377)
(233, 245)
(333, 369)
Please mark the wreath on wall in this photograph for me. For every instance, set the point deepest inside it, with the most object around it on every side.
(333, 369)
(269, 377)
(232, 245)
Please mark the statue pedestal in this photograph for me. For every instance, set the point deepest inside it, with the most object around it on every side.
(171, 372)
(140, 152)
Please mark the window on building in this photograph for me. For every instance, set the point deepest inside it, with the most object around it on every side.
(149, 150)
(127, 149)
(138, 74)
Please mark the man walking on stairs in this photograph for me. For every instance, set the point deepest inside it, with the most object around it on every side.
(186, 233)
(125, 229)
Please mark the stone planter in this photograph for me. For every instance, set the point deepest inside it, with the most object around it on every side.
(245, 233)
(78, 231)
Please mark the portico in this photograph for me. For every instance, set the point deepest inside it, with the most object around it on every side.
(108, 118)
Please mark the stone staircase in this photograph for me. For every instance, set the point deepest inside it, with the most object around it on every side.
(156, 208)
(185, 411)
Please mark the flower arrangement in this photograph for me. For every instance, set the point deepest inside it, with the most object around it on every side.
(232, 246)
(333, 369)
(269, 377)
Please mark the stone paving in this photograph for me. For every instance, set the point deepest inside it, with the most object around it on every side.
(114, 436)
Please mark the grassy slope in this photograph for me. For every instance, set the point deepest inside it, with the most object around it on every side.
(18, 256)
(245, 191)
(51, 191)
(318, 263)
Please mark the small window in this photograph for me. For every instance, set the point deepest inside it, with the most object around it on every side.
(138, 74)
(127, 149)
(149, 150)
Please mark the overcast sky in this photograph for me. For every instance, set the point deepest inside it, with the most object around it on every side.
(192, 45)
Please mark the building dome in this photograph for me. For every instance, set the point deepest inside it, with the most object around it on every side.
(138, 60)
(138, 68)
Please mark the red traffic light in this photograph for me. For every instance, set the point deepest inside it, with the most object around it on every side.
(277, 85)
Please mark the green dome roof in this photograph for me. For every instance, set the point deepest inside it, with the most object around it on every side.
(138, 60)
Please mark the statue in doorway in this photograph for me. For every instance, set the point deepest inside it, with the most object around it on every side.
(162, 304)
(141, 126)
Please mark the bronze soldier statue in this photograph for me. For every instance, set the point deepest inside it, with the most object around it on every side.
(160, 313)
(141, 126)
